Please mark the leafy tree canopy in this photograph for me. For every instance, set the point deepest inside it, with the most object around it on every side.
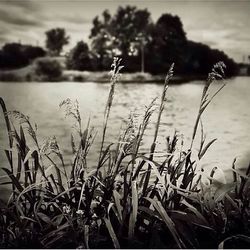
(55, 40)
(119, 34)
(79, 57)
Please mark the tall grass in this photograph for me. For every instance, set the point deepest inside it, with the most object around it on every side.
(129, 200)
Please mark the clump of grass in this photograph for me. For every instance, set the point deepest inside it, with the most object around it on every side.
(129, 200)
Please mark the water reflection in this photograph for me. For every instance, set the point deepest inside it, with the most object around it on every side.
(227, 118)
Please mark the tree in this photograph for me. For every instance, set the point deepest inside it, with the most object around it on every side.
(170, 27)
(167, 45)
(126, 25)
(79, 58)
(101, 42)
(16, 55)
(131, 34)
(118, 35)
(55, 40)
(32, 52)
(200, 58)
(13, 56)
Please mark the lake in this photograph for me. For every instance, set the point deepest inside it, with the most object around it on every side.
(227, 118)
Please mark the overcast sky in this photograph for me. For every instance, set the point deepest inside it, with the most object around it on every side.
(222, 24)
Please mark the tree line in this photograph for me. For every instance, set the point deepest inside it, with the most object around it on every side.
(131, 34)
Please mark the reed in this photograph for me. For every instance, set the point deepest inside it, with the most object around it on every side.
(129, 200)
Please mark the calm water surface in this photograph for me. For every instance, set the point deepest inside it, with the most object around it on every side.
(227, 119)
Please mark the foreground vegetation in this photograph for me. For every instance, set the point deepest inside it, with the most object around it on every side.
(128, 199)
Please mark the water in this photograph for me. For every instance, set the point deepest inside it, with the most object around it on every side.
(227, 119)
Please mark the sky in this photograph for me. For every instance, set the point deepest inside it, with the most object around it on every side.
(221, 24)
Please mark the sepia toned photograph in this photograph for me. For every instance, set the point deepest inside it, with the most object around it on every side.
(124, 124)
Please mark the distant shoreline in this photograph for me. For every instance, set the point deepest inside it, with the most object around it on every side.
(27, 75)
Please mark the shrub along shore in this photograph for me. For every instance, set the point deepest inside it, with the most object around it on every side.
(129, 199)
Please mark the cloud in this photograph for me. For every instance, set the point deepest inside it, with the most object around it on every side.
(27, 21)
(72, 18)
(21, 4)
(19, 15)
(17, 19)
(40, 14)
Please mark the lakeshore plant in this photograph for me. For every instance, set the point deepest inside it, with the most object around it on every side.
(128, 199)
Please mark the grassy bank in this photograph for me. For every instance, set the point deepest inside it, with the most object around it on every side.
(36, 71)
(27, 75)
(128, 199)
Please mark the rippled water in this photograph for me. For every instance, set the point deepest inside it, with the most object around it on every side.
(227, 119)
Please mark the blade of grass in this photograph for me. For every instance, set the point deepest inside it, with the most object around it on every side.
(111, 232)
(133, 215)
(167, 220)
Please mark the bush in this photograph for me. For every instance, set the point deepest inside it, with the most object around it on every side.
(48, 70)
(15, 55)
